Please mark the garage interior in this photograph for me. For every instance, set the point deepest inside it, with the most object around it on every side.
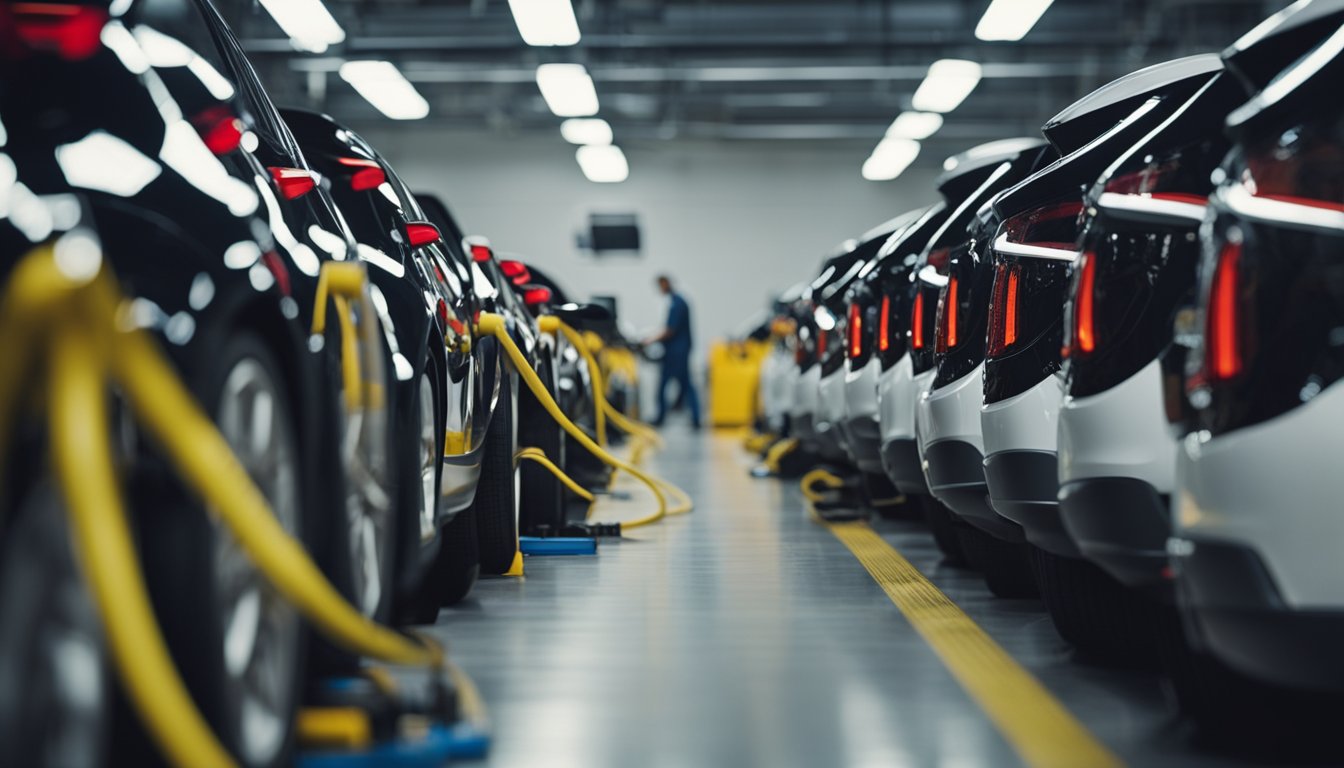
(671, 383)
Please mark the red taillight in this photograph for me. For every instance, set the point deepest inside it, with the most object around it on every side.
(365, 174)
(71, 31)
(799, 353)
(443, 311)
(947, 317)
(1084, 329)
(293, 182)
(855, 331)
(821, 345)
(884, 326)
(1222, 344)
(917, 321)
(420, 233)
(481, 253)
(535, 295)
(1003, 309)
(516, 271)
(220, 129)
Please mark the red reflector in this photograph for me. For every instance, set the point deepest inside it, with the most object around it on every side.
(917, 321)
(420, 233)
(947, 328)
(293, 182)
(220, 129)
(1223, 346)
(70, 31)
(855, 331)
(365, 174)
(884, 325)
(1084, 331)
(482, 253)
(536, 295)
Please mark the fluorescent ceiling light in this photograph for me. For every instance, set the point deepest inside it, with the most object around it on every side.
(567, 89)
(1010, 19)
(915, 125)
(545, 22)
(586, 130)
(890, 158)
(947, 84)
(307, 22)
(603, 164)
(385, 88)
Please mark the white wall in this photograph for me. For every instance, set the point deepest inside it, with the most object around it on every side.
(733, 223)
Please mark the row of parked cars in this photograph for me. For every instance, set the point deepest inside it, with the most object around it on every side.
(381, 427)
(1103, 368)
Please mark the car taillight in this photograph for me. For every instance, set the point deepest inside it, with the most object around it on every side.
(219, 128)
(420, 233)
(69, 30)
(516, 271)
(293, 182)
(481, 253)
(1084, 326)
(855, 331)
(799, 352)
(365, 174)
(884, 325)
(538, 294)
(917, 321)
(1003, 308)
(947, 318)
(821, 345)
(1222, 345)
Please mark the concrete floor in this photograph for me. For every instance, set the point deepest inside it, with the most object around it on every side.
(746, 635)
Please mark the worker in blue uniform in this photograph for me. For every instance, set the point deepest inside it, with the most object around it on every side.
(676, 365)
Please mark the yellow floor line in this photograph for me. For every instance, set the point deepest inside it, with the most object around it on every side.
(1033, 722)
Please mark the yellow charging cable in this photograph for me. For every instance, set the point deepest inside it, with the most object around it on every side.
(78, 315)
(493, 324)
(539, 456)
(778, 451)
(819, 477)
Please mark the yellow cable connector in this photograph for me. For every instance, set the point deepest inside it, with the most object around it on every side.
(777, 453)
(822, 477)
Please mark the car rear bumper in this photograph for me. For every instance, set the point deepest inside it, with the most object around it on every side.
(1024, 488)
(1236, 611)
(956, 474)
(865, 443)
(1122, 524)
(900, 460)
(898, 392)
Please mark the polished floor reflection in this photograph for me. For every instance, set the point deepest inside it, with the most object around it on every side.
(746, 635)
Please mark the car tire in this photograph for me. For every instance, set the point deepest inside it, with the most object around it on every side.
(49, 633)
(1096, 614)
(496, 503)
(541, 501)
(1005, 565)
(419, 435)
(240, 648)
(944, 527)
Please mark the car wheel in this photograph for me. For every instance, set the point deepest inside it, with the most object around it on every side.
(363, 563)
(1004, 564)
(53, 681)
(542, 499)
(496, 503)
(1095, 613)
(238, 645)
(944, 527)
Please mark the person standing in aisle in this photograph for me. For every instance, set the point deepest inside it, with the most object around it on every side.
(676, 365)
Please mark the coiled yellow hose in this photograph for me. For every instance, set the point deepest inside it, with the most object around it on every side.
(539, 456)
(819, 477)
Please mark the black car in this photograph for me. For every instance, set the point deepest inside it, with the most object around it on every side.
(214, 225)
(442, 379)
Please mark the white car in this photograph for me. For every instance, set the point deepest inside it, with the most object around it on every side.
(1034, 254)
(1258, 517)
